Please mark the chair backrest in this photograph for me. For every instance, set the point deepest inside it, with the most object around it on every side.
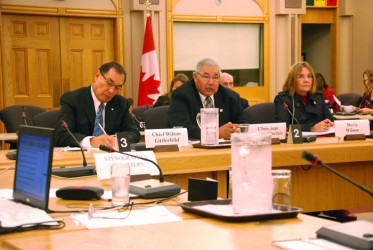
(261, 113)
(47, 119)
(15, 115)
(156, 118)
(350, 99)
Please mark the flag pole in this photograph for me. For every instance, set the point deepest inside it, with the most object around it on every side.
(148, 6)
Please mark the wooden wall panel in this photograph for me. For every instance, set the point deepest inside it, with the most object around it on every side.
(31, 47)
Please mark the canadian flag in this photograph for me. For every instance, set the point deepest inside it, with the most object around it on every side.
(150, 85)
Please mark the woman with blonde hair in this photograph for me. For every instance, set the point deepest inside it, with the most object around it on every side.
(366, 105)
(301, 103)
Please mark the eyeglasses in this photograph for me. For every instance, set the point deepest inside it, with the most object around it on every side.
(111, 83)
(92, 213)
(206, 77)
(303, 77)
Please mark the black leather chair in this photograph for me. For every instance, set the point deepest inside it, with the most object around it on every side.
(350, 99)
(156, 118)
(261, 113)
(15, 115)
(138, 113)
(47, 119)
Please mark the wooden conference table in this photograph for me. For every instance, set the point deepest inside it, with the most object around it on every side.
(193, 232)
(314, 190)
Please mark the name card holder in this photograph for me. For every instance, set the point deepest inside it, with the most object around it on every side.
(166, 148)
(354, 137)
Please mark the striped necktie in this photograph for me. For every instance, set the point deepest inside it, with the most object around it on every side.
(99, 120)
(208, 102)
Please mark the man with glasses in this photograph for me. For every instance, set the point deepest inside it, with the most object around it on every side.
(204, 91)
(95, 113)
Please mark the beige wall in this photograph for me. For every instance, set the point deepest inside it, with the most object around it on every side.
(355, 43)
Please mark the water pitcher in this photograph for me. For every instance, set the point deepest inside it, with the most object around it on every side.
(208, 121)
(251, 173)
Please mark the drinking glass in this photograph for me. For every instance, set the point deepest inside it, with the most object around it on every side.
(282, 188)
(120, 182)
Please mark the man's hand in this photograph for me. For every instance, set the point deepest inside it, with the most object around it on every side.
(104, 139)
(227, 129)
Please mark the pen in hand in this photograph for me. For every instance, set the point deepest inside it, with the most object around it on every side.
(103, 130)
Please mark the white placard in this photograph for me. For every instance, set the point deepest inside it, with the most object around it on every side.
(277, 130)
(170, 136)
(104, 161)
(351, 127)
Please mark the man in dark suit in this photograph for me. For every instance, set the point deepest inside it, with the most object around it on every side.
(188, 99)
(226, 80)
(81, 109)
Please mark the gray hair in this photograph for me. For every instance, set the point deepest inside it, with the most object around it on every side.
(206, 62)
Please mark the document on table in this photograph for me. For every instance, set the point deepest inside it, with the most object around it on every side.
(309, 244)
(152, 215)
(14, 214)
(331, 130)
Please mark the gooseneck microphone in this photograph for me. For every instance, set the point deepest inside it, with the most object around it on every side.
(24, 115)
(286, 107)
(148, 188)
(74, 171)
(64, 125)
(316, 161)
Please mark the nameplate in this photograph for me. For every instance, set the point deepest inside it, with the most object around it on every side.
(103, 162)
(172, 136)
(277, 130)
(351, 127)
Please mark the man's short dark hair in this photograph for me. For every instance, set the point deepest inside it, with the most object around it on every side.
(118, 68)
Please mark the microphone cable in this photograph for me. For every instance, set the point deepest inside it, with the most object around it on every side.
(51, 225)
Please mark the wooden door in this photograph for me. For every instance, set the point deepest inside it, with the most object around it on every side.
(86, 43)
(31, 59)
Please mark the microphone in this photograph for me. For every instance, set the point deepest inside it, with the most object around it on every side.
(141, 124)
(316, 161)
(148, 188)
(74, 171)
(292, 115)
(24, 115)
(65, 126)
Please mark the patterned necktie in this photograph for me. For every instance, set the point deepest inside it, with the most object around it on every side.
(208, 102)
(99, 120)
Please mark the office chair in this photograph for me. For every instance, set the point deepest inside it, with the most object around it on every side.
(15, 115)
(47, 119)
(156, 118)
(261, 113)
(350, 99)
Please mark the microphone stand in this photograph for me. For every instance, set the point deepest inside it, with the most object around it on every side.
(316, 161)
(74, 171)
(148, 188)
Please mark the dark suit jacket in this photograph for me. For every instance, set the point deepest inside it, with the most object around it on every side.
(186, 104)
(307, 115)
(244, 103)
(77, 110)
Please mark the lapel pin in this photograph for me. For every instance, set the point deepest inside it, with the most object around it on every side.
(221, 110)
